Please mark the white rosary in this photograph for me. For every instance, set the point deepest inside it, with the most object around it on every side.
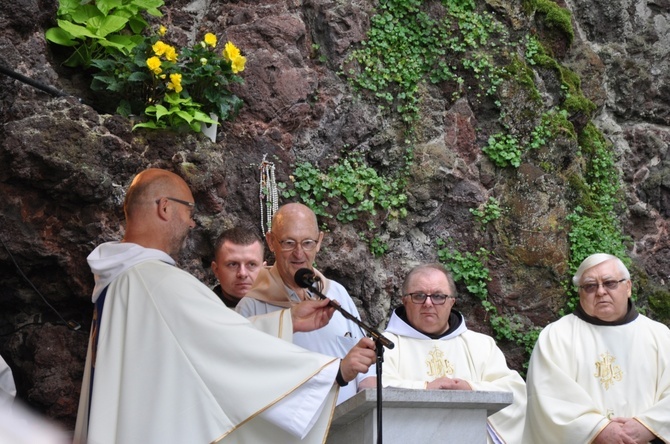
(268, 196)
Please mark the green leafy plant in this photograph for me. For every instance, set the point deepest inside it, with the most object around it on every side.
(171, 88)
(410, 43)
(487, 212)
(469, 269)
(504, 150)
(350, 186)
(594, 223)
(95, 28)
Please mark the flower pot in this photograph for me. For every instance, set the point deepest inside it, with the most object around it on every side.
(211, 130)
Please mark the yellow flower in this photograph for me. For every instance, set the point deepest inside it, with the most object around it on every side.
(203, 61)
(154, 64)
(170, 53)
(159, 48)
(210, 39)
(175, 83)
(230, 51)
(162, 31)
(237, 64)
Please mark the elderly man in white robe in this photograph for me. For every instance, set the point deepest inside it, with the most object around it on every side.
(601, 374)
(169, 363)
(436, 351)
(295, 240)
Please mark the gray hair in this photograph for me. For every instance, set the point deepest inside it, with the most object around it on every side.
(597, 259)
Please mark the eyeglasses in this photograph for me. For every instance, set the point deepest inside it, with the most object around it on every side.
(191, 205)
(290, 244)
(608, 285)
(436, 299)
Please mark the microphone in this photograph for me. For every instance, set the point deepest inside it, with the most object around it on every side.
(305, 278)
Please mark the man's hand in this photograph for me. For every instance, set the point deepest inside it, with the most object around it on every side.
(636, 430)
(359, 359)
(311, 315)
(446, 383)
(369, 382)
(614, 433)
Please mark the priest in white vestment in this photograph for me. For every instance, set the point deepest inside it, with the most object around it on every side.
(435, 350)
(295, 240)
(601, 374)
(169, 363)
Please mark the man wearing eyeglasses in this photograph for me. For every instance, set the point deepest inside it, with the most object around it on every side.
(435, 350)
(601, 374)
(295, 240)
(169, 363)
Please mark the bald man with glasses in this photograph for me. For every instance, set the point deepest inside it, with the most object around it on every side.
(169, 363)
(435, 350)
(601, 374)
(295, 240)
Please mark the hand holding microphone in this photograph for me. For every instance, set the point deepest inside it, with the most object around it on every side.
(306, 278)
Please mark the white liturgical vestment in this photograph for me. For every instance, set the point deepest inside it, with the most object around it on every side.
(175, 365)
(269, 294)
(474, 357)
(581, 375)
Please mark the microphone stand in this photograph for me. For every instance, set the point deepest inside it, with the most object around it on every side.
(380, 343)
(378, 367)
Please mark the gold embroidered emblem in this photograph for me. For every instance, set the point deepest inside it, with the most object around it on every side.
(437, 365)
(607, 371)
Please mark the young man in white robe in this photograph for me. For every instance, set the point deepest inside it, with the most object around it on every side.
(169, 363)
(295, 240)
(435, 350)
(602, 374)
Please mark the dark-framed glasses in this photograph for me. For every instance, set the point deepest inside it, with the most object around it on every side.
(592, 287)
(436, 299)
(290, 244)
(191, 205)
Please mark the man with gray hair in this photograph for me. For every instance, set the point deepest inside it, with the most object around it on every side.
(435, 350)
(602, 373)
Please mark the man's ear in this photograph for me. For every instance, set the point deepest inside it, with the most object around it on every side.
(269, 238)
(162, 209)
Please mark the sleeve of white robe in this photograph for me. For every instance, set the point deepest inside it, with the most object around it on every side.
(298, 412)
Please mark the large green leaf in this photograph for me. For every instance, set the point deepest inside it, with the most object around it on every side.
(137, 24)
(59, 37)
(78, 32)
(107, 5)
(106, 25)
(151, 6)
(67, 6)
(161, 111)
(84, 13)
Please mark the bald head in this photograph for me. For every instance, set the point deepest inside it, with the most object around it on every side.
(158, 209)
(295, 239)
(293, 213)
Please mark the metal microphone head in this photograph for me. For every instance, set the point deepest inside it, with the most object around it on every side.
(305, 278)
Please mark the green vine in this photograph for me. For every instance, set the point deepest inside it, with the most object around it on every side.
(409, 44)
(488, 212)
(469, 269)
(594, 222)
(350, 190)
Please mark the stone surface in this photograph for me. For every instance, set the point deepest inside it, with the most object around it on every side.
(65, 167)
